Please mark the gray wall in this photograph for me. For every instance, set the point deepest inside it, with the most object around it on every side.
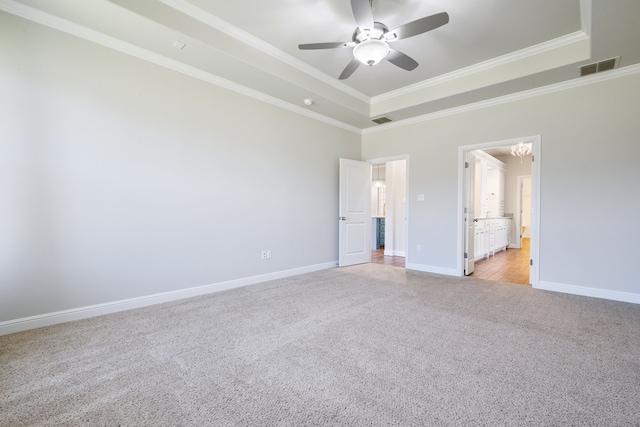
(120, 179)
(589, 179)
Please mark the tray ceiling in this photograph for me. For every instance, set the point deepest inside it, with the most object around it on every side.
(488, 49)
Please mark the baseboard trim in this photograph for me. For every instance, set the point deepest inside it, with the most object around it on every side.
(432, 269)
(589, 292)
(49, 319)
(394, 253)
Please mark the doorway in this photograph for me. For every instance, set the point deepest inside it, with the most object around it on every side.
(389, 211)
(499, 199)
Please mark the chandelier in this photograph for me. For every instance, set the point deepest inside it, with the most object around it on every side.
(521, 149)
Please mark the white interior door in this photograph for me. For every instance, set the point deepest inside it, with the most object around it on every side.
(469, 212)
(354, 213)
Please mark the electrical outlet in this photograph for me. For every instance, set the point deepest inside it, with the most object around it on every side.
(269, 254)
(263, 255)
(419, 248)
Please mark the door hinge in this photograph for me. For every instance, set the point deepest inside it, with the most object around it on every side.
(533, 158)
(466, 210)
(531, 262)
(466, 165)
(466, 255)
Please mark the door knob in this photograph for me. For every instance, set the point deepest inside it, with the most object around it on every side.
(343, 218)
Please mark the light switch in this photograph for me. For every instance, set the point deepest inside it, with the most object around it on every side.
(421, 197)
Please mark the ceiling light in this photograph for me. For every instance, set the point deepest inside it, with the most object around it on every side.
(178, 44)
(371, 51)
(308, 101)
(521, 149)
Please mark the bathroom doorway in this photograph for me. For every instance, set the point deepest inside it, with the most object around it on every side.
(389, 211)
(499, 237)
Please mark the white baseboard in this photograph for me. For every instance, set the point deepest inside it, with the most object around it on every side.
(48, 319)
(432, 269)
(589, 292)
(394, 253)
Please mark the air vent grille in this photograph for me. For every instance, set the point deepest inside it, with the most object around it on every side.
(609, 64)
(381, 120)
(596, 67)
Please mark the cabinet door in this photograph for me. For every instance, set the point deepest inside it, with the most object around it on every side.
(479, 244)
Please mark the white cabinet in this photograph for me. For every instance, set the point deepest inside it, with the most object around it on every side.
(489, 185)
(491, 235)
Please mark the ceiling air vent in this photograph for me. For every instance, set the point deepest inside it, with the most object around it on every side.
(596, 67)
(381, 120)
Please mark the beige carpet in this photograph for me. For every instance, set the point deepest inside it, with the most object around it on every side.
(363, 345)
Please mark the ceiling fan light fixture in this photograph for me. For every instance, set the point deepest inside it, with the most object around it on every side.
(371, 51)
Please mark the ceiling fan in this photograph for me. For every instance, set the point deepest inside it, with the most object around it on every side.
(370, 40)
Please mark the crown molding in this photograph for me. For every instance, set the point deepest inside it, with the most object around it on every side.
(519, 55)
(199, 14)
(532, 93)
(97, 37)
(575, 37)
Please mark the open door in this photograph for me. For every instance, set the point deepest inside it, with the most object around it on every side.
(354, 213)
(469, 212)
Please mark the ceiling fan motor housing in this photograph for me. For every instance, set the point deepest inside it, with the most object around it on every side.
(377, 33)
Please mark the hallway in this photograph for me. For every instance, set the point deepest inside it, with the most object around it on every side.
(378, 257)
(511, 266)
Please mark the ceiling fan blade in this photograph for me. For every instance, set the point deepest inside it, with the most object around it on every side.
(401, 60)
(420, 26)
(331, 45)
(363, 13)
(349, 69)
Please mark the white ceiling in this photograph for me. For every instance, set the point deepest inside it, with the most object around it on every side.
(488, 49)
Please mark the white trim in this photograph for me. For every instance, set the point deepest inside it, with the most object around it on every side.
(431, 269)
(394, 253)
(97, 37)
(534, 271)
(534, 233)
(519, 55)
(215, 22)
(41, 320)
(531, 93)
(589, 292)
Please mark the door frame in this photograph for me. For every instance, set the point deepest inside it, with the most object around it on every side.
(406, 223)
(536, 141)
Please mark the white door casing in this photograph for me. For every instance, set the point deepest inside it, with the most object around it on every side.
(354, 213)
(469, 212)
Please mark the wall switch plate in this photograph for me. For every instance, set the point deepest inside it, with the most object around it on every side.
(263, 255)
(421, 197)
(269, 254)
(419, 248)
